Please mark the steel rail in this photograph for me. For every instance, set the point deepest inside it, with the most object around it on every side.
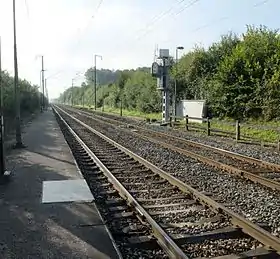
(163, 239)
(231, 169)
(201, 145)
(247, 226)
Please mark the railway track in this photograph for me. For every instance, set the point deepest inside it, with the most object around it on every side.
(185, 222)
(256, 170)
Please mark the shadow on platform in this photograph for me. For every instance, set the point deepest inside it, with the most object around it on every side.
(31, 229)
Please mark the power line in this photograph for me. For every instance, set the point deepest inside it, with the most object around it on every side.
(260, 3)
(90, 20)
(221, 19)
(190, 4)
(209, 24)
(225, 17)
(79, 39)
(161, 15)
(155, 19)
(187, 6)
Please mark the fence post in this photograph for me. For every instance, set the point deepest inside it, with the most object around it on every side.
(187, 122)
(237, 130)
(278, 144)
(208, 126)
(170, 121)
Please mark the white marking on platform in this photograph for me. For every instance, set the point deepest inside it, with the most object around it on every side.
(66, 191)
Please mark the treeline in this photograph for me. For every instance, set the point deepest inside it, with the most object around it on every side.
(133, 89)
(29, 97)
(239, 76)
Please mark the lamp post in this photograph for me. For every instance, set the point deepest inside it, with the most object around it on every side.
(19, 143)
(47, 94)
(2, 155)
(72, 91)
(72, 87)
(95, 75)
(4, 174)
(175, 85)
(42, 83)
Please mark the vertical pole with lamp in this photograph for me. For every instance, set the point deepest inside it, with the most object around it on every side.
(3, 172)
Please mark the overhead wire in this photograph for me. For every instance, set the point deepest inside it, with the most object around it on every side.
(210, 23)
(260, 3)
(149, 26)
(225, 17)
(188, 5)
(80, 38)
(90, 20)
(222, 19)
(161, 15)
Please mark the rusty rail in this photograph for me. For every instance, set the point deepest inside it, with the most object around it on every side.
(164, 240)
(247, 226)
(231, 169)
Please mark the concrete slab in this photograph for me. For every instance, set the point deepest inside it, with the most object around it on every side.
(66, 191)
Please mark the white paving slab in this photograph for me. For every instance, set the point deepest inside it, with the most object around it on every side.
(66, 191)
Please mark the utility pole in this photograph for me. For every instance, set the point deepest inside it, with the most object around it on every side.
(43, 84)
(72, 92)
(47, 95)
(102, 98)
(39, 93)
(95, 98)
(95, 79)
(4, 174)
(2, 132)
(92, 72)
(19, 143)
(175, 83)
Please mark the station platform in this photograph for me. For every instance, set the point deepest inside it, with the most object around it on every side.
(47, 209)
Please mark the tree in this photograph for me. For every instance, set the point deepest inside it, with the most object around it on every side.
(238, 76)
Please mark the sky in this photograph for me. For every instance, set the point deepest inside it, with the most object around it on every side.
(68, 33)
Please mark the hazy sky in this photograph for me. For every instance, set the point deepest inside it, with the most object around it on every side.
(69, 32)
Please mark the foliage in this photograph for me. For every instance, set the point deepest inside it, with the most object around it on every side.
(233, 74)
(104, 76)
(29, 96)
(238, 76)
(136, 88)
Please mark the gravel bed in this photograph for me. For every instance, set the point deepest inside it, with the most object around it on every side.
(210, 154)
(197, 229)
(273, 176)
(186, 216)
(170, 208)
(116, 225)
(146, 203)
(255, 202)
(137, 253)
(153, 194)
(146, 186)
(267, 154)
(214, 248)
(136, 180)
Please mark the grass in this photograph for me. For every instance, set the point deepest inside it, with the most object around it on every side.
(255, 130)
(128, 113)
(259, 131)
